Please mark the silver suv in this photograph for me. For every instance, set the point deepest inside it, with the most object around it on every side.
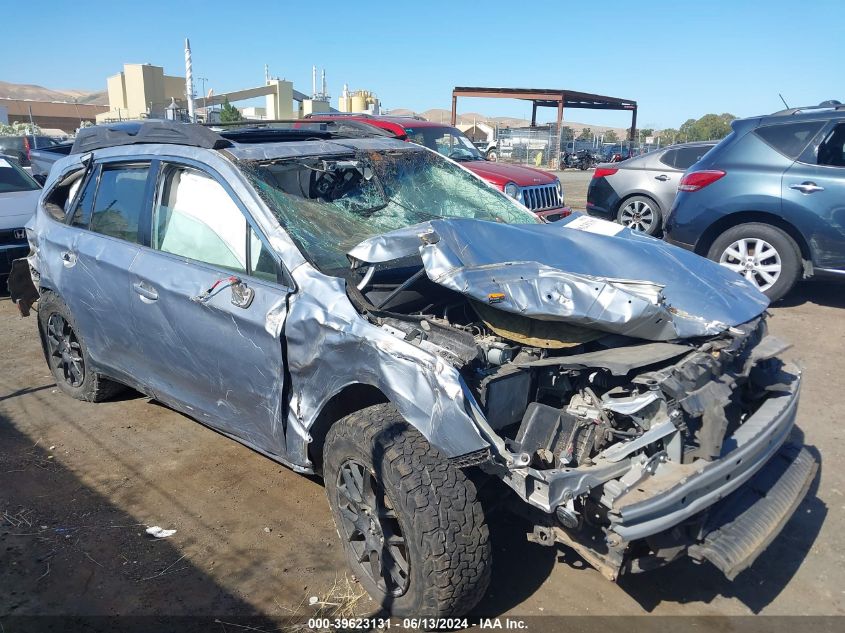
(368, 310)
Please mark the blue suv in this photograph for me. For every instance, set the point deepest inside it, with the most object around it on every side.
(769, 200)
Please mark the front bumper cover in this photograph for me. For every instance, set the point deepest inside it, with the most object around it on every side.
(750, 448)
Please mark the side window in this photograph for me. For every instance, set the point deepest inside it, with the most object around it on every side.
(789, 139)
(82, 213)
(689, 156)
(58, 200)
(196, 218)
(668, 158)
(262, 260)
(832, 150)
(119, 202)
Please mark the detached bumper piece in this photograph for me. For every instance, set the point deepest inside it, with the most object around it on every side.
(743, 525)
(21, 289)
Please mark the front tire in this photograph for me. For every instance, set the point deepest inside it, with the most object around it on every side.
(639, 213)
(67, 355)
(412, 528)
(763, 254)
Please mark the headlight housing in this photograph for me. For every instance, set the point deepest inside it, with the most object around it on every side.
(512, 190)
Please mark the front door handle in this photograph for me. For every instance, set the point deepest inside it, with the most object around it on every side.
(68, 259)
(806, 187)
(146, 293)
(662, 177)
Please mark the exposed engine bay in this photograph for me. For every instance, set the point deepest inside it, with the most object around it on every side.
(563, 394)
(614, 419)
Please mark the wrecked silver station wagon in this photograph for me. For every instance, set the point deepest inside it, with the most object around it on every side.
(365, 309)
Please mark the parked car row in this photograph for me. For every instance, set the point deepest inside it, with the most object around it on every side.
(639, 192)
(365, 309)
(19, 195)
(768, 201)
(20, 147)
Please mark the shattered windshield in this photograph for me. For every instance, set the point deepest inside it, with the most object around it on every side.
(447, 141)
(329, 204)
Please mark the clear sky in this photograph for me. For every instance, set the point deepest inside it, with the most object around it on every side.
(676, 59)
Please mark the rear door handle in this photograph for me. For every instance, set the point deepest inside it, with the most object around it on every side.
(806, 187)
(68, 259)
(146, 293)
(662, 177)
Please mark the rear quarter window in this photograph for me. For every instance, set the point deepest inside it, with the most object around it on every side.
(668, 158)
(789, 139)
(689, 156)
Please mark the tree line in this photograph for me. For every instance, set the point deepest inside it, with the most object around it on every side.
(707, 128)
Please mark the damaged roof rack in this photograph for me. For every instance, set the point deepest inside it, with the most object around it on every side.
(144, 132)
(217, 135)
(272, 131)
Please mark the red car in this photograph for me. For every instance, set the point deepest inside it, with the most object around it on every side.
(538, 190)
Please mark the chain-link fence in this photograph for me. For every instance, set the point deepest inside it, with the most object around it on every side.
(538, 146)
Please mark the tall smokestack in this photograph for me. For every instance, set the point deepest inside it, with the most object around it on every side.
(313, 81)
(324, 82)
(189, 80)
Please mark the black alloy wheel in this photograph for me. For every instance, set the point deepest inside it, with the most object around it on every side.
(371, 527)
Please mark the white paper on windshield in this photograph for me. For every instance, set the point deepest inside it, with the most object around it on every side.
(4, 163)
(594, 225)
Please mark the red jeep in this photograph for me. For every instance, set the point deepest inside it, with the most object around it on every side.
(538, 190)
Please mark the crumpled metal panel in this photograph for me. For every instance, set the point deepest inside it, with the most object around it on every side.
(331, 346)
(626, 283)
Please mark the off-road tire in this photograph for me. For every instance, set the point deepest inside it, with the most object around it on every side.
(787, 249)
(446, 536)
(94, 387)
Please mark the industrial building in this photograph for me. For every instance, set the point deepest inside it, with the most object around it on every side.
(362, 101)
(140, 91)
(49, 115)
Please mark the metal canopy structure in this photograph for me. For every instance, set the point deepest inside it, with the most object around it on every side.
(549, 98)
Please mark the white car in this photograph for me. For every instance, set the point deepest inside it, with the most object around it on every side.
(19, 195)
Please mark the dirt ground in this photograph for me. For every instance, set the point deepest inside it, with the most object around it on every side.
(80, 482)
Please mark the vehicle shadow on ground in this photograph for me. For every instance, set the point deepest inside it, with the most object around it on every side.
(684, 581)
(519, 567)
(828, 292)
(71, 554)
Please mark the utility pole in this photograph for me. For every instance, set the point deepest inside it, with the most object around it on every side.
(32, 124)
(189, 81)
(204, 96)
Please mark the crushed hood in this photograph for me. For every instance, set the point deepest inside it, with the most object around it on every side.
(580, 270)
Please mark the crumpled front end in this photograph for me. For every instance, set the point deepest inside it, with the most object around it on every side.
(630, 392)
(713, 474)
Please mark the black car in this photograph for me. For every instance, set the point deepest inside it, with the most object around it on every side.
(19, 147)
(769, 201)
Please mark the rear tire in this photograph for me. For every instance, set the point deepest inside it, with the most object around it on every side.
(640, 213)
(397, 500)
(67, 355)
(763, 254)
